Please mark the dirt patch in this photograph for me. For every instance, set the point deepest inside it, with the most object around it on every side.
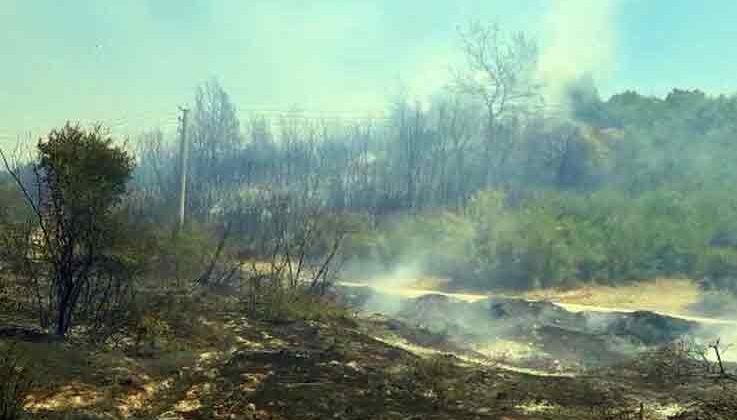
(551, 338)
(673, 296)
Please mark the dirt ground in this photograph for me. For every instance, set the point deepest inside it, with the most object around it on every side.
(219, 364)
(670, 296)
(314, 370)
(673, 296)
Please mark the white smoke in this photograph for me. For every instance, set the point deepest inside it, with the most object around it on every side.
(388, 287)
(578, 39)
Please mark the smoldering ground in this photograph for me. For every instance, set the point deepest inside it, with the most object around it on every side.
(540, 334)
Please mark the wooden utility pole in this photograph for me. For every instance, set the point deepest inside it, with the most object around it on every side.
(183, 158)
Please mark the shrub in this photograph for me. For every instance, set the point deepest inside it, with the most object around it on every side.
(719, 270)
(438, 242)
(182, 258)
(80, 180)
(277, 303)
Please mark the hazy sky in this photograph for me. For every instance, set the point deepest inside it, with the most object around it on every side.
(131, 63)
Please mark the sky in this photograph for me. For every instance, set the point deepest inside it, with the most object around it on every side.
(130, 64)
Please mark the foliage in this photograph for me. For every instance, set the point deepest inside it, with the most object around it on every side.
(490, 193)
(559, 239)
(283, 305)
(177, 260)
(12, 208)
(69, 250)
(720, 269)
(440, 242)
(149, 331)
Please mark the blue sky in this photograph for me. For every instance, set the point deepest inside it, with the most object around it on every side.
(130, 63)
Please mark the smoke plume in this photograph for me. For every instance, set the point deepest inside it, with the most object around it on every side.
(578, 40)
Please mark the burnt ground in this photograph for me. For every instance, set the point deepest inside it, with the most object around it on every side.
(660, 362)
(572, 339)
(218, 364)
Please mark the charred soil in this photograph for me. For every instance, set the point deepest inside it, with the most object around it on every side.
(216, 363)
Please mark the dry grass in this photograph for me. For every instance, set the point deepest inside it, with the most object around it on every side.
(428, 283)
(673, 296)
(219, 362)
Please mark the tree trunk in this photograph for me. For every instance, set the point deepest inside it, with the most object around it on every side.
(61, 319)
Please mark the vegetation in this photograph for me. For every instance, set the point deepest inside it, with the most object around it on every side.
(80, 177)
(484, 186)
(501, 191)
(611, 191)
(269, 248)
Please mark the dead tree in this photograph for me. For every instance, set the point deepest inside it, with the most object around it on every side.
(499, 73)
(297, 255)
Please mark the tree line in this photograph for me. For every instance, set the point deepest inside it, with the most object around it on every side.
(485, 183)
(584, 182)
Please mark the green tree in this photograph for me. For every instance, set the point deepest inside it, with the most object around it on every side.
(81, 177)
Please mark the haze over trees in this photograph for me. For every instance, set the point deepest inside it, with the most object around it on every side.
(491, 183)
(485, 184)
(500, 190)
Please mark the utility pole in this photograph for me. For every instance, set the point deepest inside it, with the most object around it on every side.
(183, 158)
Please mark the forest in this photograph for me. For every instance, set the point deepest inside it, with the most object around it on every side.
(492, 195)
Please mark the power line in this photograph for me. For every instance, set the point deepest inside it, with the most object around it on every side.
(139, 122)
(334, 115)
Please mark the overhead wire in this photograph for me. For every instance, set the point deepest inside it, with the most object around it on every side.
(167, 120)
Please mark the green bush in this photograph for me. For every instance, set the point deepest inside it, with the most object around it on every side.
(12, 207)
(561, 239)
(439, 242)
(719, 270)
(180, 258)
(297, 305)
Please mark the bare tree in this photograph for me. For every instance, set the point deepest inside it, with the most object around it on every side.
(216, 145)
(154, 179)
(298, 250)
(499, 72)
(457, 126)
